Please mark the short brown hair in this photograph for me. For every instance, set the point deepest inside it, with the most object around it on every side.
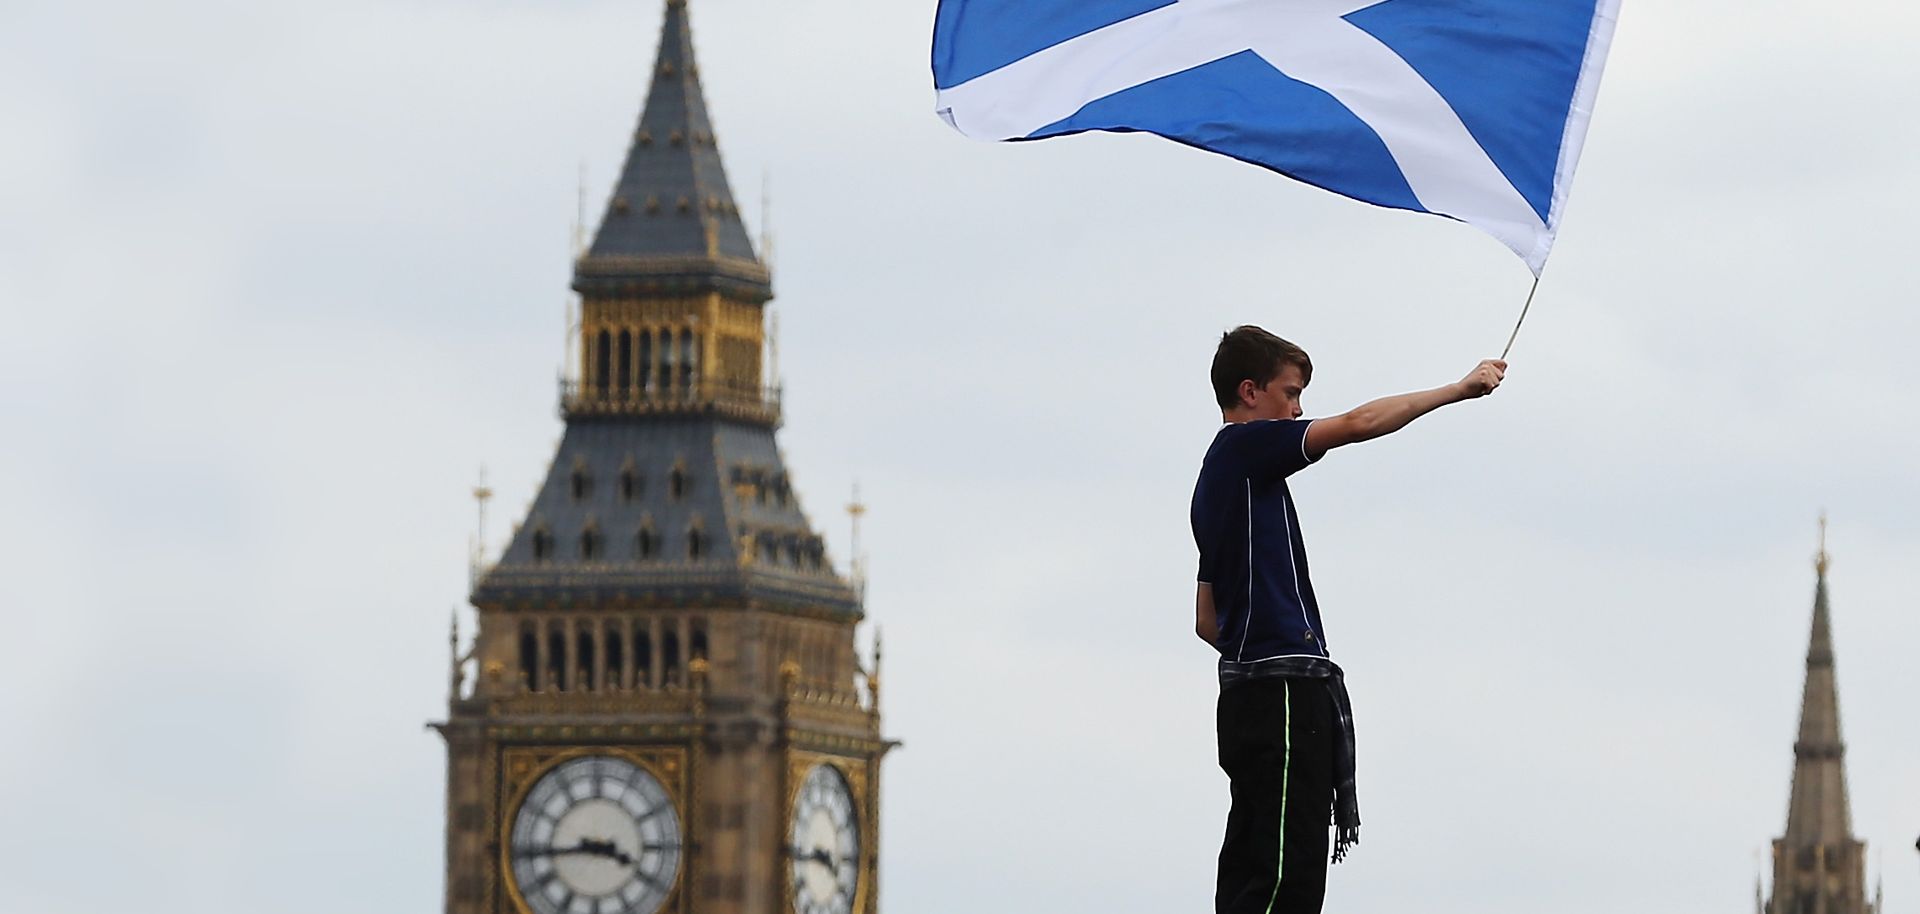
(1248, 353)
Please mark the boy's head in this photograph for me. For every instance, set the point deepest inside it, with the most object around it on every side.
(1257, 375)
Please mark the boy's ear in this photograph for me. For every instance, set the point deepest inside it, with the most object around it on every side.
(1246, 391)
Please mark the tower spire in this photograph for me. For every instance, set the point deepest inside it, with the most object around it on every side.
(668, 348)
(1818, 864)
(671, 204)
(1820, 807)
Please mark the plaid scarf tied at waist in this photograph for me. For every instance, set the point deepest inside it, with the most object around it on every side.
(1346, 809)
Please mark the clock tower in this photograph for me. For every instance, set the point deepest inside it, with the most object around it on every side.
(668, 713)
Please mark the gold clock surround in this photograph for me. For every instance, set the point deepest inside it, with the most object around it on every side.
(859, 784)
(523, 766)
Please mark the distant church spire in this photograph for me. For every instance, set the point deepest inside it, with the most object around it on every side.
(1818, 866)
(1819, 812)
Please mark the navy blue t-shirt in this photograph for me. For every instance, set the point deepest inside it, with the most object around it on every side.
(1250, 546)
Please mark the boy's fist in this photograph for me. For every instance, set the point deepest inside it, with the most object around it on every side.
(1484, 378)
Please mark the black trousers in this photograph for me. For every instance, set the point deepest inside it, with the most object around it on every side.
(1276, 745)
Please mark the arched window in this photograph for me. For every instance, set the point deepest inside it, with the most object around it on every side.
(666, 360)
(676, 483)
(583, 661)
(670, 658)
(542, 544)
(689, 359)
(644, 370)
(696, 543)
(589, 543)
(580, 483)
(556, 660)
(629, 482)
(529, 660)
(698, 650)
(616, 663)
(602, 358)
(623, 375)
(642, 660)
(646, 543)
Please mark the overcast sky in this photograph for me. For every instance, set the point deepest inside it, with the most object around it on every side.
(277, 279)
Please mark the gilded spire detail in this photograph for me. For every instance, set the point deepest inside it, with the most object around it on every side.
(1821, 560)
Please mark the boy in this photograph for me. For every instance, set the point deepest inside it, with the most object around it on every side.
(1285, 728)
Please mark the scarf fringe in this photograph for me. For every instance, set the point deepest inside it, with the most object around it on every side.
(1343, 841)
(1346, 821)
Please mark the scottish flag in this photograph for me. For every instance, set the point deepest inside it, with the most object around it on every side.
(1472, 109)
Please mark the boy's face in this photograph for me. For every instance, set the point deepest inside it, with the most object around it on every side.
(1279, 399)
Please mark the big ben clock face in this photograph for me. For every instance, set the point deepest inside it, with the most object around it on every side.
(596, 835)
(826, 844)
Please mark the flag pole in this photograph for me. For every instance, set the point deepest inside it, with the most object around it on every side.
(1523, 317)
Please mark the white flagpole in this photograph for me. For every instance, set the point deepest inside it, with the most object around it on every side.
(1522, 320)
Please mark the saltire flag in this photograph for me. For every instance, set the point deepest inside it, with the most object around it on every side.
(1471, 109)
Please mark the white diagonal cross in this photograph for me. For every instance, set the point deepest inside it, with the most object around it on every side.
(1309, 41)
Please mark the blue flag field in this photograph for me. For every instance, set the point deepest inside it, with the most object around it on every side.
(1471, 109)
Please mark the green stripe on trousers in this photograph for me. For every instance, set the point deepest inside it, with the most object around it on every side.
(1286, 771)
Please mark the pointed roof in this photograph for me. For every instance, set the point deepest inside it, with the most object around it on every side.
(672, 213)
(1818, 812)
(680, 511)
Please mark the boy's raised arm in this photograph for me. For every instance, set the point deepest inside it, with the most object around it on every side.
(1391, 414)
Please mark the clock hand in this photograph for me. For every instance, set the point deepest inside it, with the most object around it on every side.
(817, 855)
(607, 849)
(587, 846)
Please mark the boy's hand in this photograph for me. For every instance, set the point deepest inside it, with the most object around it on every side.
(1483, 379)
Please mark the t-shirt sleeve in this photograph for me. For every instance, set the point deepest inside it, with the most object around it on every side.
(1275, 448)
